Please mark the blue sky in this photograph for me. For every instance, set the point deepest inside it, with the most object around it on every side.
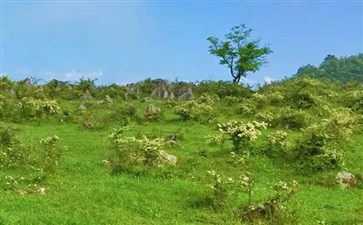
(128, 41)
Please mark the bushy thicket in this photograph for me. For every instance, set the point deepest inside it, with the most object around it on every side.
(342, 69)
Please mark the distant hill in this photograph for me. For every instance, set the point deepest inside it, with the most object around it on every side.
(342, 69)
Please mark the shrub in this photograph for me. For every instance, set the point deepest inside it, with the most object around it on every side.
(16, 155)
(206, 99)
(124, 114)
(247, 107)
(292, 119)
(131, 153)
(277, 143)
(220, 186)
(242, 134)
(304, 100)
(12, 153)
(274, 210)
(153, 113)
(52, 153)
(5, 107)
(194, 111)
(224, 89)
(322, 145)
(34, 109)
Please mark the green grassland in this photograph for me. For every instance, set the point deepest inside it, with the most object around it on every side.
(82, 189)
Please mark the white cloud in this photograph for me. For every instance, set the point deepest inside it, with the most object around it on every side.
(72, 75)
(249, 81)
(268, 80)
(75, 75)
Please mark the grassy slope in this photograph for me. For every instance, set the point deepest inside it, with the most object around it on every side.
(82, 191)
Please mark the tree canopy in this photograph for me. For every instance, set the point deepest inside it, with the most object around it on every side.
(239, 52)
(342, 69)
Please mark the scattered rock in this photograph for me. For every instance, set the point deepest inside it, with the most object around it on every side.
(188, 95)
(86, 96)
(164, 90)
(109, 99)
(160, 92)
(82, 107)
(88, 125)
(346, 179)
(20, 192)
(152, 112)
(132, 94)
(12, 92)
(105, 162)
(42, 191)
(167, 159)
(27, 82)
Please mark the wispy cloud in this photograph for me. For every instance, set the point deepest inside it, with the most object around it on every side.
(72, 75)
(268, 80)
(249, 81)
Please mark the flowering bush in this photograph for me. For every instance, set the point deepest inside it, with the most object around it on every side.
(292, 119)
(322, 145)
(30, 108)
(247, 107)
(215, 139)
(52, 153)
(153, 113)
(12, 153)
(220, 186)
(206, 99)
(132, 152)
(242, 134)
(274, 209)
(195, 111)
(16, 155)
(277, 142)
(124, 114)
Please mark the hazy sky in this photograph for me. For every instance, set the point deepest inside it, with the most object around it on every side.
(127, 41)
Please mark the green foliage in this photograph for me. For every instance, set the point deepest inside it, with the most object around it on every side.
(35, 109)
(131, 154)
(292, 119)
(242, 134)
(194, 111)
(52, 153)
(220, 186)
(223, 89)
(342, 69)
(17, 155)
(274, 210)
(12, 153)
(240, 54)
(153, 113)
(124, 114)
(322, 146)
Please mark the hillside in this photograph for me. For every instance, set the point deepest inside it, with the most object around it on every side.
(179, 153)
(342, 69)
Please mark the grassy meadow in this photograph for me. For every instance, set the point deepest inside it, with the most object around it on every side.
(314, 130)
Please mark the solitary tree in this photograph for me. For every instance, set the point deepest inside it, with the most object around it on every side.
(240, 54)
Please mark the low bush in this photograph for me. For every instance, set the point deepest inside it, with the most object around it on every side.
(131, 154)
(194, 111)
(242, 134)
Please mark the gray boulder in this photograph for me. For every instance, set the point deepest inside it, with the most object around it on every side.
(346, 179)
(167, 159)
(188, 95)
(132, 94)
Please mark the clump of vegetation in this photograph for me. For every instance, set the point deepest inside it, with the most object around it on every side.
(242, 134)
(322, 146)
(35, 109)
(153, 113)
(194, 111)
(131, 154)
